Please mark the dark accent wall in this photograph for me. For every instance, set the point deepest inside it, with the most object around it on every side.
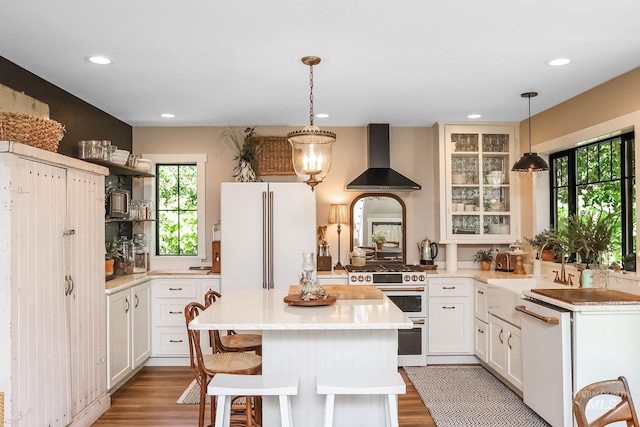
(80, 119)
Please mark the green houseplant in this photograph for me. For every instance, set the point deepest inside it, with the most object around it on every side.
(546, 243)
(590, 234)
(379, 238)
(484, 257)
(111, 252)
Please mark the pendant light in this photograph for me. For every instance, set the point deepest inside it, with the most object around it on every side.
(311, 146)
(530, 162)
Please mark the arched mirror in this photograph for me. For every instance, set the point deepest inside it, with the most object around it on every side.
(381, 214)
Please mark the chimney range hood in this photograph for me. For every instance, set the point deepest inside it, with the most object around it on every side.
(379, 176)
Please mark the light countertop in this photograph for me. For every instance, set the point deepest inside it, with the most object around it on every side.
(124, 282)
(266, 310)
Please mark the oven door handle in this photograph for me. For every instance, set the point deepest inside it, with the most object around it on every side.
(418, 321)
(545, 319)
(395, 289)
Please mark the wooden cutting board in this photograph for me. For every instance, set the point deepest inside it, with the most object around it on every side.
(346, 291)
(589, 296)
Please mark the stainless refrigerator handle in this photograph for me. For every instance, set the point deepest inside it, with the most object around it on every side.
(545, 319)
(271, 246)
(264, 240)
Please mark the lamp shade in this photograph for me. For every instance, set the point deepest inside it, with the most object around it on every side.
(530, 162)
(338, 214)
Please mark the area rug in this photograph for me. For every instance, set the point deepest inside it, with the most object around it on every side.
(191, 396)
(459, 396)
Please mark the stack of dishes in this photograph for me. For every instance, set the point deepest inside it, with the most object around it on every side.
(120, 157)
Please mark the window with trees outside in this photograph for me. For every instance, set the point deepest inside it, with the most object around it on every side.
(594, 178)
(179, 197)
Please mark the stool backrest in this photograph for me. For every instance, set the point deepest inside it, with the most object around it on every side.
(623, 411)
(191, 311)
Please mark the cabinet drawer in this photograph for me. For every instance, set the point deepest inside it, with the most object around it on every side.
(450, 288)
(169, 312)
(170, 341)
(177, 289)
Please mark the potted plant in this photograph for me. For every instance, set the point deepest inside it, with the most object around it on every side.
(546, 244)
(379, 238)
(589, 234)
(484, 257)
(111, 252)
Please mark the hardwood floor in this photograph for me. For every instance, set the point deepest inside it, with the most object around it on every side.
(149, 399)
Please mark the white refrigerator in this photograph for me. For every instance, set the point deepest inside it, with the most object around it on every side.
(265, 227)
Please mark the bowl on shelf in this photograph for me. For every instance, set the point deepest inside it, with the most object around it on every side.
(459, 179)
(499, 228)
(144, 165)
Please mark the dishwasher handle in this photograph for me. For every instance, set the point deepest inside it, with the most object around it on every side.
(545, 319)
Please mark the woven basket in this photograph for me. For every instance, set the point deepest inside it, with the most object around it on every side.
(31, 130)
(274, 156)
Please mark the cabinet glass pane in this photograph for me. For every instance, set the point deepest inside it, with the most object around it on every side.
(465, 224)
(495, 143)
(464, 169)
(497, 224)
(495, 199)
(464, 142)
(495, 169)
(464, 196)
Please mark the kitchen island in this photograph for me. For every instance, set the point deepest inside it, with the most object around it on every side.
(350, 336)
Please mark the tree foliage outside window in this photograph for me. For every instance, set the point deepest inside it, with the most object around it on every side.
(177, 209)
(595, 178)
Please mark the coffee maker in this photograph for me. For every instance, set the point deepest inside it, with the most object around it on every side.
(428, 251)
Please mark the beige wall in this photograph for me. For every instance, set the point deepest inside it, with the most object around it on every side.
(611, 106)
(411, 154)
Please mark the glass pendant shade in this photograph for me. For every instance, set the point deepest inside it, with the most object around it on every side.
(530, 162)
(311, 146)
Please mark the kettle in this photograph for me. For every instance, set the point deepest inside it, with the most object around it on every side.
(428, 251)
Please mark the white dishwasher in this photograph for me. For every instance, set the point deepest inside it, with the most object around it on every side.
(546, 361)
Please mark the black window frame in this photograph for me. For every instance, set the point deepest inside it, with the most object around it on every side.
(627, 178)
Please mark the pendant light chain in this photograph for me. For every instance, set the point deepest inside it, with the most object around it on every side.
(529, 121)
(311, 94)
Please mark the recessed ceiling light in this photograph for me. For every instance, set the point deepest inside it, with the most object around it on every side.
(322, 115)
(474, 116)
(100, 60)
(558, 62)
(167, 115)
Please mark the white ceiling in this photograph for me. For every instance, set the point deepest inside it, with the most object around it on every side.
(237, 62)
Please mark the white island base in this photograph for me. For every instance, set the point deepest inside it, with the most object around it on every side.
(348, 337)
(309, 352)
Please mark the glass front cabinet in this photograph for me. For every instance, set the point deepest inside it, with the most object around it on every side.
(478, 200)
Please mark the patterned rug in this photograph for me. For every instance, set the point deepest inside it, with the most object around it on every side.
(459, 396)
(191, 396)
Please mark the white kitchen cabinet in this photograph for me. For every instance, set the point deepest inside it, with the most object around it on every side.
(505, 350)
(481, 340)
(476, 183)
(129, 317)
(169, 297)
(450, 316)
(52, 312)
(481, 316)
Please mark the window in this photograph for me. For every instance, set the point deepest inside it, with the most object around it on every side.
(177, 204)
(597, 177)
(179, 197)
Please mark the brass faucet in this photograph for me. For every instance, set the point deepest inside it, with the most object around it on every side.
(562, 277)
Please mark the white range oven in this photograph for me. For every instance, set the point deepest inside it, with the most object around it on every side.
(406, 286)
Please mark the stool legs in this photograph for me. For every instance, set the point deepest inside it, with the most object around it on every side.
(328, 409)
(285, 411)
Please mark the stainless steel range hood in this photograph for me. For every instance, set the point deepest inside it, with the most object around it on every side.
(380, 176)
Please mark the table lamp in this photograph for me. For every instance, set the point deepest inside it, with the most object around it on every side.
(338, 215)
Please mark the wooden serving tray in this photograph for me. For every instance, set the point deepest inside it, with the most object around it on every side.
(346, 291)
(297, 300)
(589, 296)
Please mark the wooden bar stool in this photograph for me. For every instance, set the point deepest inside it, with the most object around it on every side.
(373, 383)
(206, 366)
(623, 411)
(232, 341)
(225, 386)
